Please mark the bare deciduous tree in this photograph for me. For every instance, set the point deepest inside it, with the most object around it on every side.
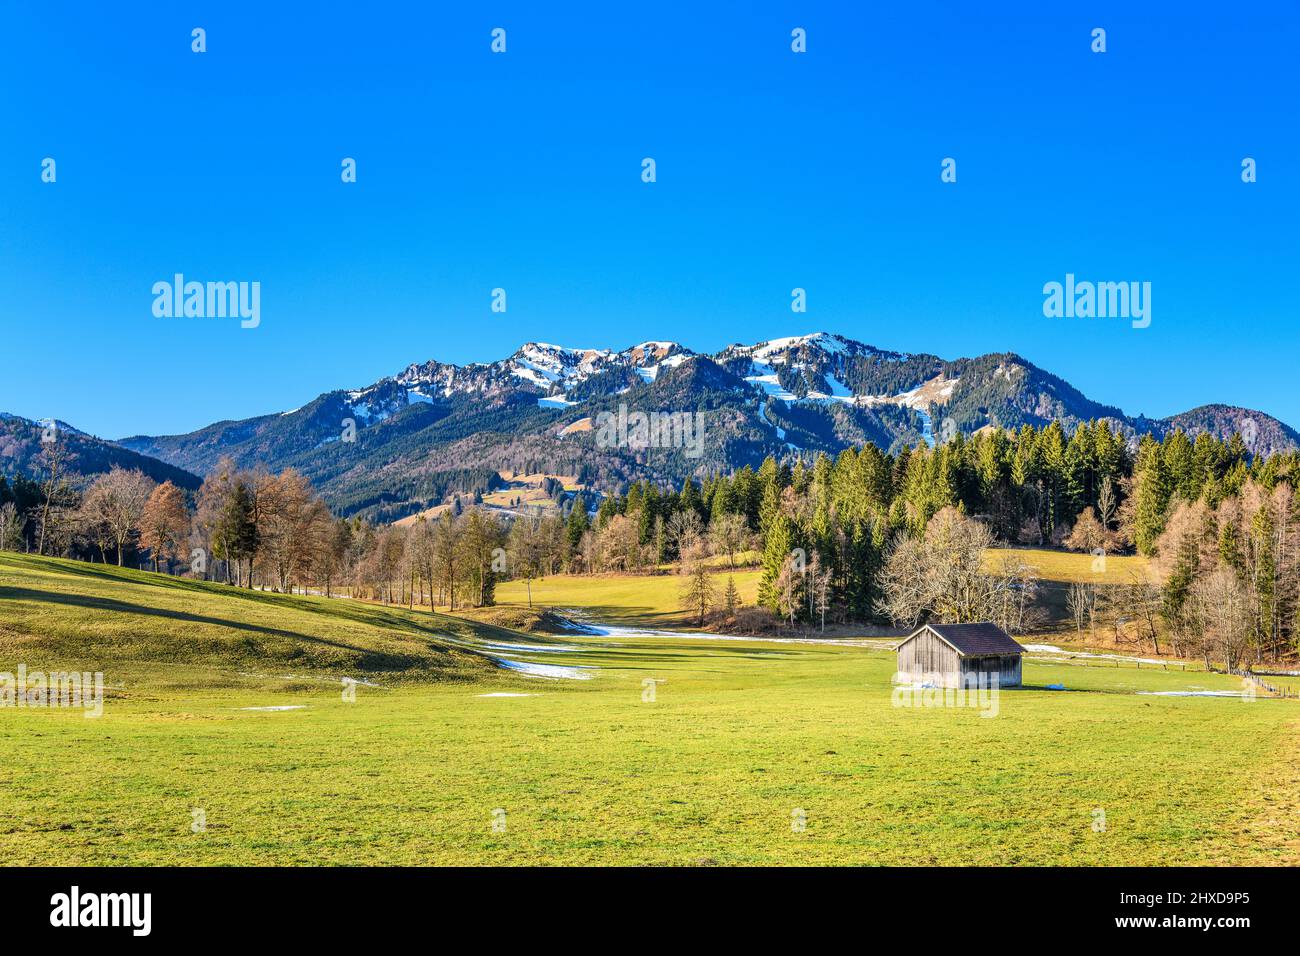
(52, 456)
(943, 576)
(1080, 598)
(728, 535)
(118, 499)
(684, 529)
(1222, 608)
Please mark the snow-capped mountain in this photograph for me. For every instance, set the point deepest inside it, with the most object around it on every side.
(550, 371)
(794, 369)
(436, 425)
(52, 424)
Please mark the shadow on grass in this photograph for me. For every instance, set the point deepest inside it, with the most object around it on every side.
(122, 607)
(335, 608)
(617, 615)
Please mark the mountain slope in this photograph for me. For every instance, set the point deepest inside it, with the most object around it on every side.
(404, 442)
(1262, 433)
(87, 456)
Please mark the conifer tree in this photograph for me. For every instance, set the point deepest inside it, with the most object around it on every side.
(731, 597)
(577, 524)
(778, 543)
(1151, 494)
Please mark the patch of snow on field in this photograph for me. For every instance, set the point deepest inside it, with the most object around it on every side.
(1192, 693)
(615, 630)
(545, 648)
(333, 680)
(278, 707)
(550, 671)
(312, 677)
(1050, 649)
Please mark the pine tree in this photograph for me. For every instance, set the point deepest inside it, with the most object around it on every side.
(1180, 466)
(770, 507)
(235, 538)
(577, 524)
(776, 549)
(731, 597)
(698, 593)
(690, 498)
(1152, 495)
(1265, 574)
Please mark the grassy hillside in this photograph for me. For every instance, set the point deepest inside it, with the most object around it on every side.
(709, 768)
(1068, 566)
(645, 600)
(96, 617)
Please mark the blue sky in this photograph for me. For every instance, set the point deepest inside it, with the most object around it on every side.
(522, 171)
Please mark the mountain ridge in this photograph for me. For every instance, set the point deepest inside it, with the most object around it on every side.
(433, 427)
(22, 440)
(405, 441)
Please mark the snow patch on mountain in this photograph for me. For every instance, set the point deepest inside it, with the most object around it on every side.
(59, 424)
(774, 350)
(765, 377)
(649, 373)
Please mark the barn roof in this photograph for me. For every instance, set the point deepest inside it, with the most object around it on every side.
(975, 640)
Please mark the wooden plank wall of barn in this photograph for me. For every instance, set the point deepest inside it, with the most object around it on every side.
(927, 655)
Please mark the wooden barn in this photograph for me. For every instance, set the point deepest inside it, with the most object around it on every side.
(954, 655)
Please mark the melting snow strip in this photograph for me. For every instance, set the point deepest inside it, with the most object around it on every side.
(312, 677)
(334, 680)
(278, 707)
(545, 648)
(614, 630)
(1052, 649)
(549, 671)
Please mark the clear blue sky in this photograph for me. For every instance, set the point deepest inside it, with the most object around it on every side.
(522, 170)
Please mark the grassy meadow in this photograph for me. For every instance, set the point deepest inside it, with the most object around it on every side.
(653, 600)
(1065, 567)
(673, 750)
(636, 600)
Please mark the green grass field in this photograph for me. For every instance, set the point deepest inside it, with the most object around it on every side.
(1069, 566)
(653, 600)
(739, 736)
(646, 600)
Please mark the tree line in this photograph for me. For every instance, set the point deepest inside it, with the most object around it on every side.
(252, 529)
(863, 536)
